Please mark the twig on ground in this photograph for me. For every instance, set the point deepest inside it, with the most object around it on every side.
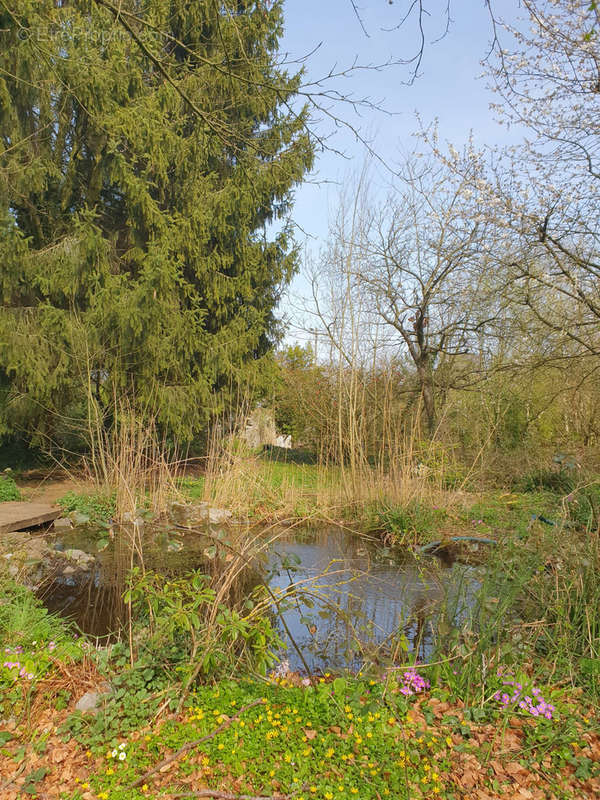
(195, 743)
(7, 783)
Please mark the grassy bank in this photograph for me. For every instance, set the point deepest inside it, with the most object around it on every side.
(408, 733)
(507, 706)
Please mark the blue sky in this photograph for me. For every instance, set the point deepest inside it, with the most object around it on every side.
(449, 87)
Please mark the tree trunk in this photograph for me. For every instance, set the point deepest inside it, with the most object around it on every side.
(425, 378)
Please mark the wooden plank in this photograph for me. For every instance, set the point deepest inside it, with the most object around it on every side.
(15, 516)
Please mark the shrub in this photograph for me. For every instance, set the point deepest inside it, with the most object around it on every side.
(560, 481)
(8, 488)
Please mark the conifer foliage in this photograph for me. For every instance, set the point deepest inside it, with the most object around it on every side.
(145, 150)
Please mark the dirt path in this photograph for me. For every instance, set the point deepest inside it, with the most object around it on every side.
(50, 488)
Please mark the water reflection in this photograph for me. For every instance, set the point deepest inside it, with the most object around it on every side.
(343, 601)
(356, 605)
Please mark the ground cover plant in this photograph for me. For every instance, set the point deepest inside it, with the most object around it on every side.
(335, 737)
(32, 643)
(95, 507)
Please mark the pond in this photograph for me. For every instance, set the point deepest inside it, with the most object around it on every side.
(348, 601)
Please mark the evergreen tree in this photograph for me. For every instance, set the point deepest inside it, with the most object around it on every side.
(145, 154)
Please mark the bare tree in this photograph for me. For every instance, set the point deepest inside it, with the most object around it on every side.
(421, 266)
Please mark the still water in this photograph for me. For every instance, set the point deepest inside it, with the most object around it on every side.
(342, 600)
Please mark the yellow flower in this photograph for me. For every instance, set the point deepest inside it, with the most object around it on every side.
(449, 741)
(392, 721)
(145, 787)
(102, 796)
(220, 746)
(328, 795)
(354, 790)
(313, 789)
(272, 773)
(110, 771)
(147, 738)
(85, 786)
(369, 735)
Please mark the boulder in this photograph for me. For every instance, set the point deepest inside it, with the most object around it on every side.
(82, 558)
(90, 702)
(188, 515)
(219, 516)
(63, 523)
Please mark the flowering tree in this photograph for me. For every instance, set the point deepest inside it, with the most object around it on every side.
(546, 71)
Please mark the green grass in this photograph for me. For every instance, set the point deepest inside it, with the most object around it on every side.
(193, 488)
(300, 476)
(31, 641)
(416, 521)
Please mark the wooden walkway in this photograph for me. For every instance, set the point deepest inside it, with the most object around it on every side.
(16, 516)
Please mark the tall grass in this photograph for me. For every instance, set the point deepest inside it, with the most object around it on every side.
(404, 472)
(537, 610)
(131, 459)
